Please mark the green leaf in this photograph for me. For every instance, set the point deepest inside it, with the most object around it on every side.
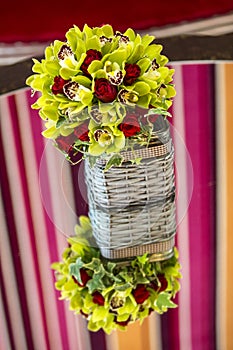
(163, 301)
(75, 269)
(123, 287)
(115, 160)
(96, 283)
(76, 302)
(70, 285)
(60, 283)
(128, 308)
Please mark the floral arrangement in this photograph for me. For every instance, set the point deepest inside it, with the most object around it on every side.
(100, 91)
(112, 295)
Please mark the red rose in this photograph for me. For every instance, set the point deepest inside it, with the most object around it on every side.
(163, 284)
(98, 298)
(130, 125)
(132, 72)
(105, 91)
(141, 293)
(57, 87)
(65, 142)
(84, 278)
(91, 55)
(82, 131)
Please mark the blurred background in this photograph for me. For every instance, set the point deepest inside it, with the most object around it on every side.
(42, 195)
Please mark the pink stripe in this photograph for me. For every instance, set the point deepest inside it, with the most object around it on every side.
(198, 99)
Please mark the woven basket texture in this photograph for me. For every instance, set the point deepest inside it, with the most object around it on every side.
(132, 207)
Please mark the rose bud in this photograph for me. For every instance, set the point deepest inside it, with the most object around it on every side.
(58, 84)
(105, 91)
(140, 294)
(84, 278)
(91, 55)
(98, 298)
(132, 72)
(130, 125)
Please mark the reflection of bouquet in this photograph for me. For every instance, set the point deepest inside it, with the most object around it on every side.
(101, 90)
(112, 295)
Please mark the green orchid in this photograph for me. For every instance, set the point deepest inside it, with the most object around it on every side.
(133, 73)
(108, 139)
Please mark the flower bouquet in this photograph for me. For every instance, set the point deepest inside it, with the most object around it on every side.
(101, 92)
(112, 295)
(104, 97)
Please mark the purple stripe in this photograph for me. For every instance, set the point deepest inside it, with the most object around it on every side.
(98, 340)
(36, 125)
(7, 200)
(170, 329)
(79, 186)
(199, 112)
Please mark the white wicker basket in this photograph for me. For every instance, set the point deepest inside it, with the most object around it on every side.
(132, 207)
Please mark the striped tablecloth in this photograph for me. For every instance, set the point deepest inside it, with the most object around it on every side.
(42, 197)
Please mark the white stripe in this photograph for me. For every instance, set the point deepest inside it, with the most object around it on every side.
(5, 337)
(61, 192)
(10, 284)
(182, 204)
(19, 212)
(221, 178)
(221, 30)
(40, 235)
(192, 27)
(83, 335)
(155, 332)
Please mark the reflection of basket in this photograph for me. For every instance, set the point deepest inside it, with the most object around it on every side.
(132, 207)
